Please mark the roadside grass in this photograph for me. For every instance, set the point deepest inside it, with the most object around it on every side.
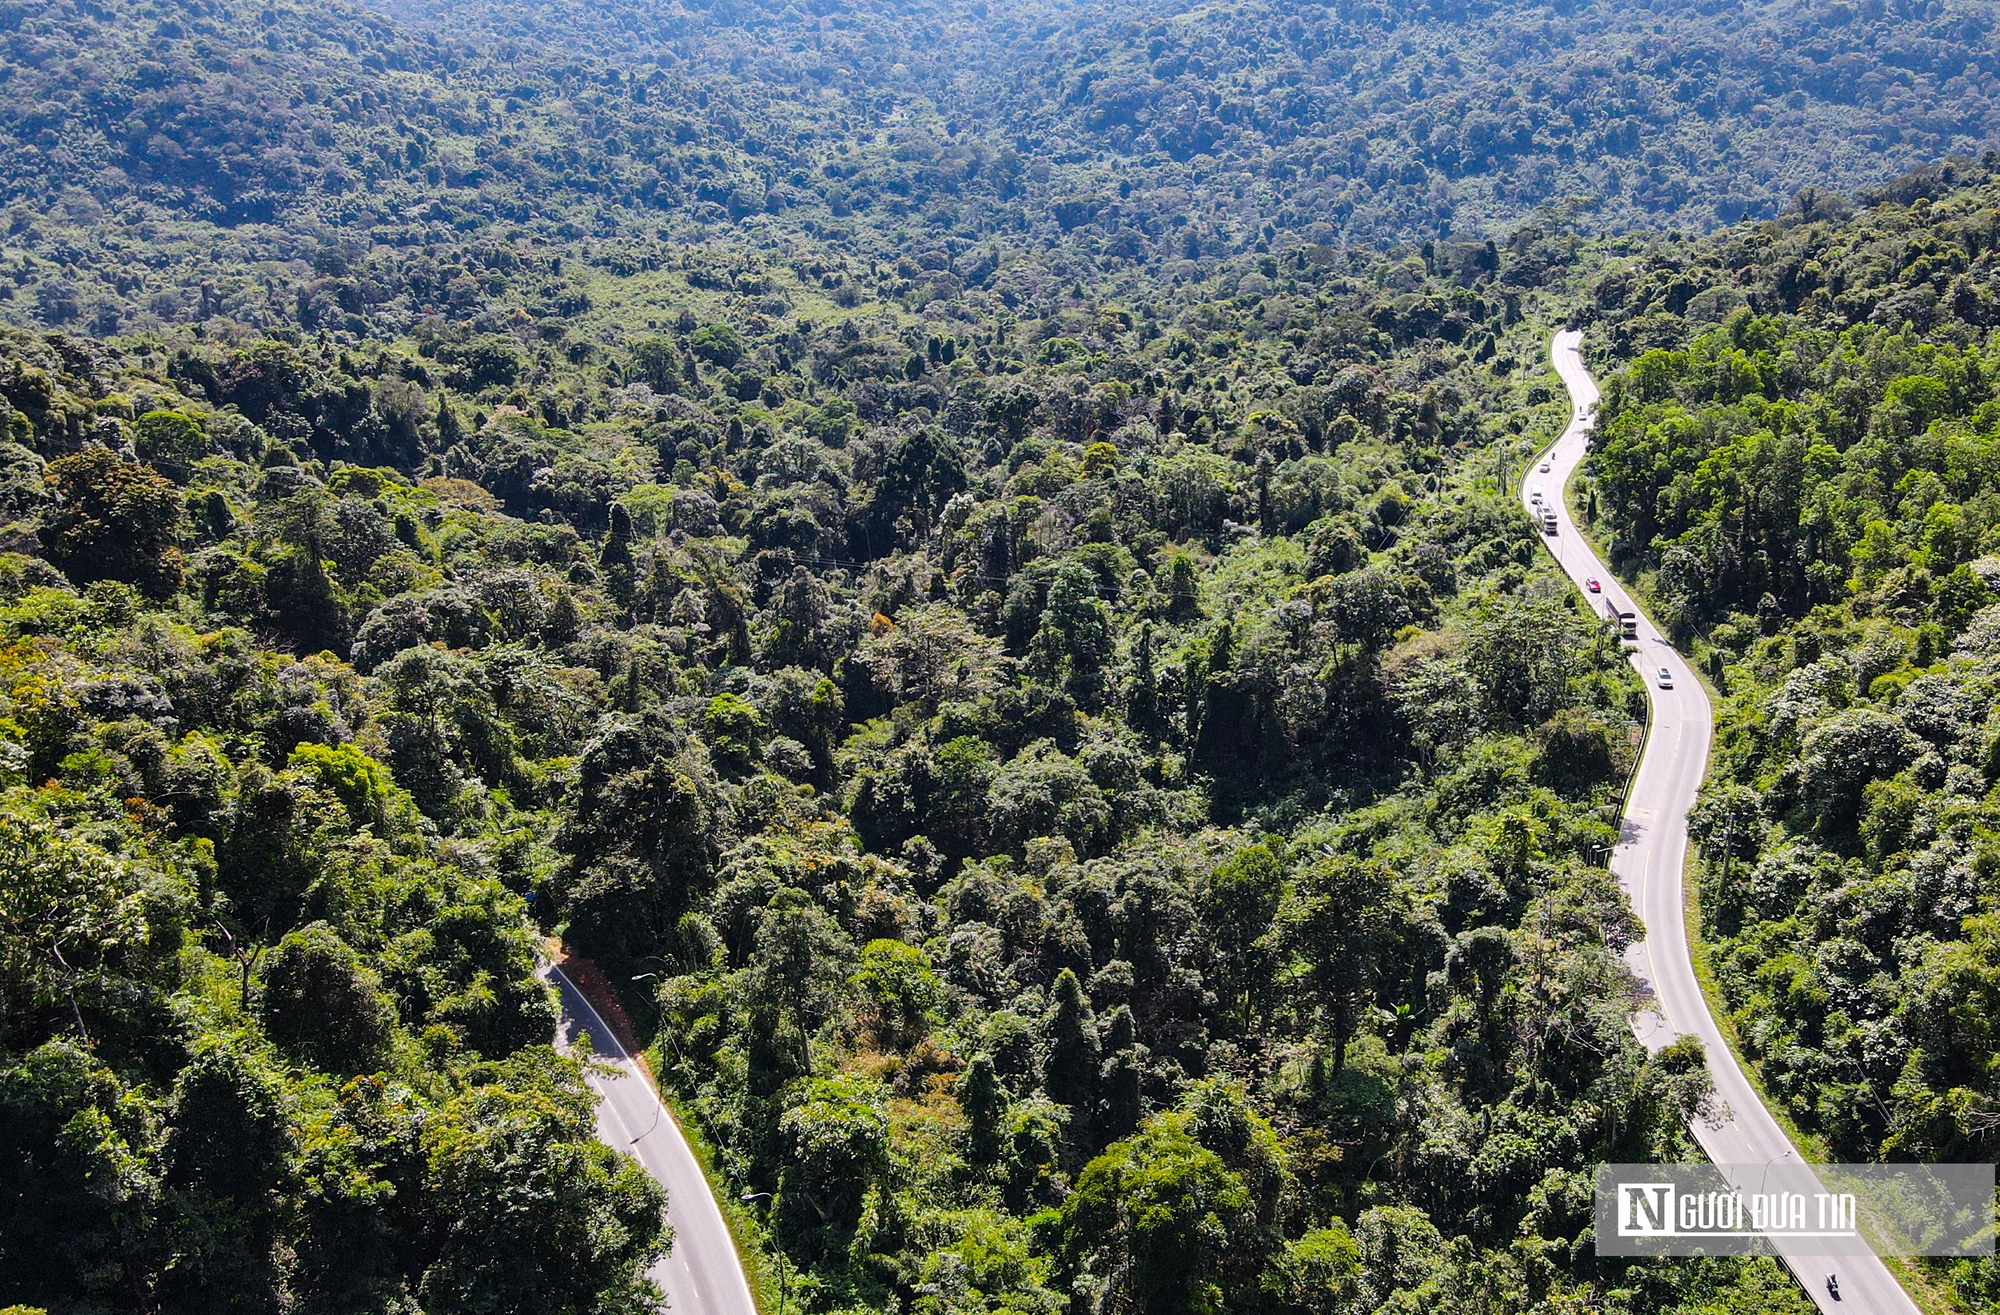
(746, 1232)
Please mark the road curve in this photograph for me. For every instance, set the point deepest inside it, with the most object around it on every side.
(702, 1275)
(1651, 853)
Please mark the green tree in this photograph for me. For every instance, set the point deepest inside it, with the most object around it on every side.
(733, 730)
(1520, 651)
(901, 994)
(1317, 1273)
(302, 596)
(1441, 705)
(1573, 752)
(1183, 592)
(1152, 1222)
(1838, 757)
(321, 1003)
(79, 1179)
(798, 634)
(230, 1164)
(1339, 927)
(1121, 1080)
(635, 833)
(1366, 607)
(525, 1210)
(985, 1105)
(113, 520)
(1241, 900)
(718, 344)
(76, 924)
(799, 969)
(170, 441)
(655, 362)
(614, 559)
(837, 1149)
(1073, 646)
(1045, 792)
(1070, 1053)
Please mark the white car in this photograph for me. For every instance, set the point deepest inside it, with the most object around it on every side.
(1544, 467)
(1535, 494)
(1666, 678)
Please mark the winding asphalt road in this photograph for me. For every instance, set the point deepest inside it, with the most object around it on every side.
(1651, 854)
(702, 1275)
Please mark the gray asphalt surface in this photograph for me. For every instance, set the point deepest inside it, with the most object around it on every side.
(702, 1274)
(1650, 857)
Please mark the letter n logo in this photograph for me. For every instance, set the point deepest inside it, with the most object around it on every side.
(1645, 1209)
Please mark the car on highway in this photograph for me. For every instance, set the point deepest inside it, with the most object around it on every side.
(1666, 678)
(1592, 585)
(1544, 467)
(1535, 494)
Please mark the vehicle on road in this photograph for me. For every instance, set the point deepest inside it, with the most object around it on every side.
(1535, 494)
(1666, 678)
(1544, 467)
(1648, 864)
(1592, 585)
(1548, 522)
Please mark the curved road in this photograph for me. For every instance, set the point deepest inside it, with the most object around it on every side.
(1651, 853)
(702, 1275)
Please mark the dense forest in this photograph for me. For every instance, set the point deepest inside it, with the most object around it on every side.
(967, 560)
(321, 166)
(923, 726)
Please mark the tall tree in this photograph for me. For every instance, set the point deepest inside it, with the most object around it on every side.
(1339, 928)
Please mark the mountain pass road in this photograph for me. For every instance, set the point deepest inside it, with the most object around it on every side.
(702, 1275)
(1650, 856)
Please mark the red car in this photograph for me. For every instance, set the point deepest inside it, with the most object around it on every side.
(1592, 585)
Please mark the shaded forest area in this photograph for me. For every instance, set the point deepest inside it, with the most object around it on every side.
(282, 163)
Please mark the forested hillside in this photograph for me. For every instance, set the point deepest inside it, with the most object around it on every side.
(1369, 121)
(966, 559)
(171, 160)
(1814, 487)
(921, 726)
